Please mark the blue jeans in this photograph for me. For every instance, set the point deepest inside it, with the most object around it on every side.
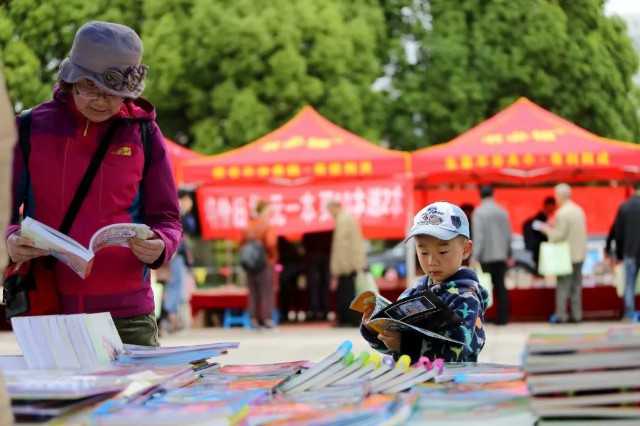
(630, 277)
(174, 289)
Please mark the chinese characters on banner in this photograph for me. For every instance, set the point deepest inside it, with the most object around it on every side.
(527, 161)
(380, 205)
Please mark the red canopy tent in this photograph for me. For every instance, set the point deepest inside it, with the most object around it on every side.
(298, 168)
(526, 143)
(177, 154)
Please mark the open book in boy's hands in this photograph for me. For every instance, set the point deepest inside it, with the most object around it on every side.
(423, 312)
(72, 253)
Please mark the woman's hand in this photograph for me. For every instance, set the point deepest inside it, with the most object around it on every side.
(21, 249)
(391, 339)
(149, 250)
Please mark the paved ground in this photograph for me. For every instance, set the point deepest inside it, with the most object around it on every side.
(312, 342)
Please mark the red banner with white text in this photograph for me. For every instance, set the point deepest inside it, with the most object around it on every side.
(381, 207)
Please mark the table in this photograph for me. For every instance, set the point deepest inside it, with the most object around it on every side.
(527, 304)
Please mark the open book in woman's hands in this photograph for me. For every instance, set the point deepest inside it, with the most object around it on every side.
(72, 253)
(423, 312)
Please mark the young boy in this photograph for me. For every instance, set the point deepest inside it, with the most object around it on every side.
(441, 235)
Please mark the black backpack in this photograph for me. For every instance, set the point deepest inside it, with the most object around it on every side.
(253, 256)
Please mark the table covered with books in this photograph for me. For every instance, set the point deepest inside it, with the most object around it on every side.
(526, 304)
(589, 377)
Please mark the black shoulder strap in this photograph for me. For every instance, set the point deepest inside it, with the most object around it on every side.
(25, 136)
(145, 132)
(24, 141)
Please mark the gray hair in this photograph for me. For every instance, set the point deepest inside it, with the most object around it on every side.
(334, 202)
(563, 189)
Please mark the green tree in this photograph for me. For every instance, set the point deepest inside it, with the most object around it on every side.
(35, 36)
(229, 72)
(478, 57)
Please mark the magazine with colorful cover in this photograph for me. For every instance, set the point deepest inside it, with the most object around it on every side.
(72, 253)
(423, 312)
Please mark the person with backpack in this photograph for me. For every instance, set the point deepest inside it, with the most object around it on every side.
(534, 237)
(258, 255)
(94, 156)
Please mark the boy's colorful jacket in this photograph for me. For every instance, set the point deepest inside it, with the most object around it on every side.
(462, 293)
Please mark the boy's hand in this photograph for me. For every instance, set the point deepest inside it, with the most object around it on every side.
(391, 339)
(368, 311)
(149, 250)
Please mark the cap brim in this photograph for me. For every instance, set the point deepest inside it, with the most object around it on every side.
(434, 231)
(72, 73)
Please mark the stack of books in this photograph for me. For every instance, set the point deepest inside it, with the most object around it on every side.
(365, 371)
(589, 378)
(67, 342)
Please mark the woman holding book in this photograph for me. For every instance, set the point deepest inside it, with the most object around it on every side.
(96, 103)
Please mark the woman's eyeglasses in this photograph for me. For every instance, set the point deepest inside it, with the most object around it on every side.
(92, 94)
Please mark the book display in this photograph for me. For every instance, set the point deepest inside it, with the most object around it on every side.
(593, 378)
(98, 380)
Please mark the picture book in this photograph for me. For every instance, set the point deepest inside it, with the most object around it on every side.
(479, 372)
(618, 338)
(604, 411)
(42, 409)
(581, 360)
(583, 381)
(264, 369)
(136, 351)
(421, 372)
(306, 375)
(423, 312)
(67, 342)
(586, 399)
(467, 396)
(503, 413)
(72, 253)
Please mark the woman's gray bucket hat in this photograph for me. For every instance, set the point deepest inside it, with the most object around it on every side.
(109, 55)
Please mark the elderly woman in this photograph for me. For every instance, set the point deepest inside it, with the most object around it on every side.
(97, 102)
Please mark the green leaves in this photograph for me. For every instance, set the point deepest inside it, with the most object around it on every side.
(480, 57)
(225, 73)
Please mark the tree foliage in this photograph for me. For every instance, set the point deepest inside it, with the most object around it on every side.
(479, 57)
(229, 72)
(35, 36)
(225, 73)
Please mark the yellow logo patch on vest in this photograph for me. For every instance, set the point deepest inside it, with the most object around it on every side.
(125, 150)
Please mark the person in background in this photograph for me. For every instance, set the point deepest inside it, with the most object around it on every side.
(468, 208)
(492, 247)
(569, 225)
(292, 268)
(347, 259)
(534, 237)
(441, 236)
(317, 252)
(626, 234)
(261, 298)
(99, 85)
(182, 260)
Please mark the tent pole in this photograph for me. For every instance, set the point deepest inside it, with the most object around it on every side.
(410, 260)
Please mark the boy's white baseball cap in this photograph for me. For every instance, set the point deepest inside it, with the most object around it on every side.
(441, 220)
